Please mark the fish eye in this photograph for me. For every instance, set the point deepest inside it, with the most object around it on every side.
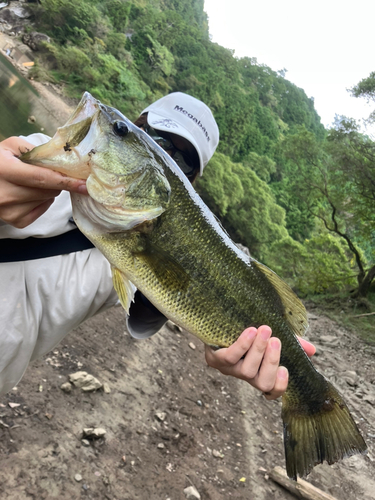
(120, 128)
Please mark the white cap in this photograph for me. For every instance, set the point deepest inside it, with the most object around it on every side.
(186, 116)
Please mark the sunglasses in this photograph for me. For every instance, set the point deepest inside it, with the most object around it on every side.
(186, 163)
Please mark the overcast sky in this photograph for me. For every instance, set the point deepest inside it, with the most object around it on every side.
(326, 46)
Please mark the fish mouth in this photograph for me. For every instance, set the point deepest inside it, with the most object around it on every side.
(64, 148)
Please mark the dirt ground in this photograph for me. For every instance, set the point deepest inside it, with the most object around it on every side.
(170, 421)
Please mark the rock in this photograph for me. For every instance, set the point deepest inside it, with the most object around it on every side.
(192, 346)
(85, 381)
(217, 454)
(106, 388)
(13, 405)
(66, 387)
(329, 340)
(173, 327)
(161, 446)
(13, 14)
(312, 317)
(350, 377)
(161, 415)
(369, 399)
(31, 119)
(85, 442)
(94, 432)
(34, 40)
(78, 478)
(191, 493)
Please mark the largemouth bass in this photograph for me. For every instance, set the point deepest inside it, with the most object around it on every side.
(158, 235)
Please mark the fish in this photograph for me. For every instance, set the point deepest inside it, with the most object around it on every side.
(159, 237)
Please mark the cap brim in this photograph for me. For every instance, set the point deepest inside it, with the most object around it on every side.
(159, 122)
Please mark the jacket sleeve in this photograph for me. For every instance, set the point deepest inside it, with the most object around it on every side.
(144, 319)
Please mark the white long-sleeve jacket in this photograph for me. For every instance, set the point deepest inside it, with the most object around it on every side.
(43, 299)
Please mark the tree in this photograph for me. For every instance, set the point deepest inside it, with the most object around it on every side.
(330, 178)
(244, 203)
(366, 88)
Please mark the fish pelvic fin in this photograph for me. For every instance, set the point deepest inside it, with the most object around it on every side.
(294, 311)
(124, 288)
(325, 433)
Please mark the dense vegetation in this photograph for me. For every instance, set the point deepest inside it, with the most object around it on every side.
(300, 197)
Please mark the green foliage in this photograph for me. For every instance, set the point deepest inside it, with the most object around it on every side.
(263, 166)
(334, 181)
(244, 203)
(276, 173)
(160, 57)
(219, 187)
(366, 88)
(68, 19)
(311, 270)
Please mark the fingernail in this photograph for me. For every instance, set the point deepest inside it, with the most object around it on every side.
(251, 333)
(282, 373)
(82, 189)
(265, 332)
(275, 343)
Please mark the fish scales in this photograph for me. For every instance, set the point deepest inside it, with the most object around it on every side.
(211, 295)
(145, 217)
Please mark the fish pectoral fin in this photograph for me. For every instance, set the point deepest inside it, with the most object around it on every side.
(294, 311)
(168, 272)
(124, 288)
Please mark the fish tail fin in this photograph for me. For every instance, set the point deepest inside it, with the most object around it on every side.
(317, 432)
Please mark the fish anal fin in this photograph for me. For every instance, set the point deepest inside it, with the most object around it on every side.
(124, 288)
(294, 311)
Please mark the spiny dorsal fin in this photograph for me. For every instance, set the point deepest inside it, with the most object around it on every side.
(295, 312)
(124, 288)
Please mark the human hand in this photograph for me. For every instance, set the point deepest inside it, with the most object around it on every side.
(255, 358)
(26, 191)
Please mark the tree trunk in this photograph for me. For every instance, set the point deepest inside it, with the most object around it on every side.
(365, 284)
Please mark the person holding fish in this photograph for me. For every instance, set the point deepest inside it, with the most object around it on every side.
(53, 278)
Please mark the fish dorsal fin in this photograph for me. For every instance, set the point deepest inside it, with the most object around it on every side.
(294, 311)
(124, 288)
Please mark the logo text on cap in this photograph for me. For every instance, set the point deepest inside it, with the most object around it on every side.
(192, 117)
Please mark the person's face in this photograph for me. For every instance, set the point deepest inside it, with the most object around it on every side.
(180, 149)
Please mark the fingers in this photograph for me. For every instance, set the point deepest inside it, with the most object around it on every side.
(22, 174)
(227, 357)
(309, 348)
(27, 191)
(243, 359)
(17, 201)
(281, 384)
(15, 193)
(265, 377)
(26, 213)
(260, 351)
(255, 358)
(16, 172)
